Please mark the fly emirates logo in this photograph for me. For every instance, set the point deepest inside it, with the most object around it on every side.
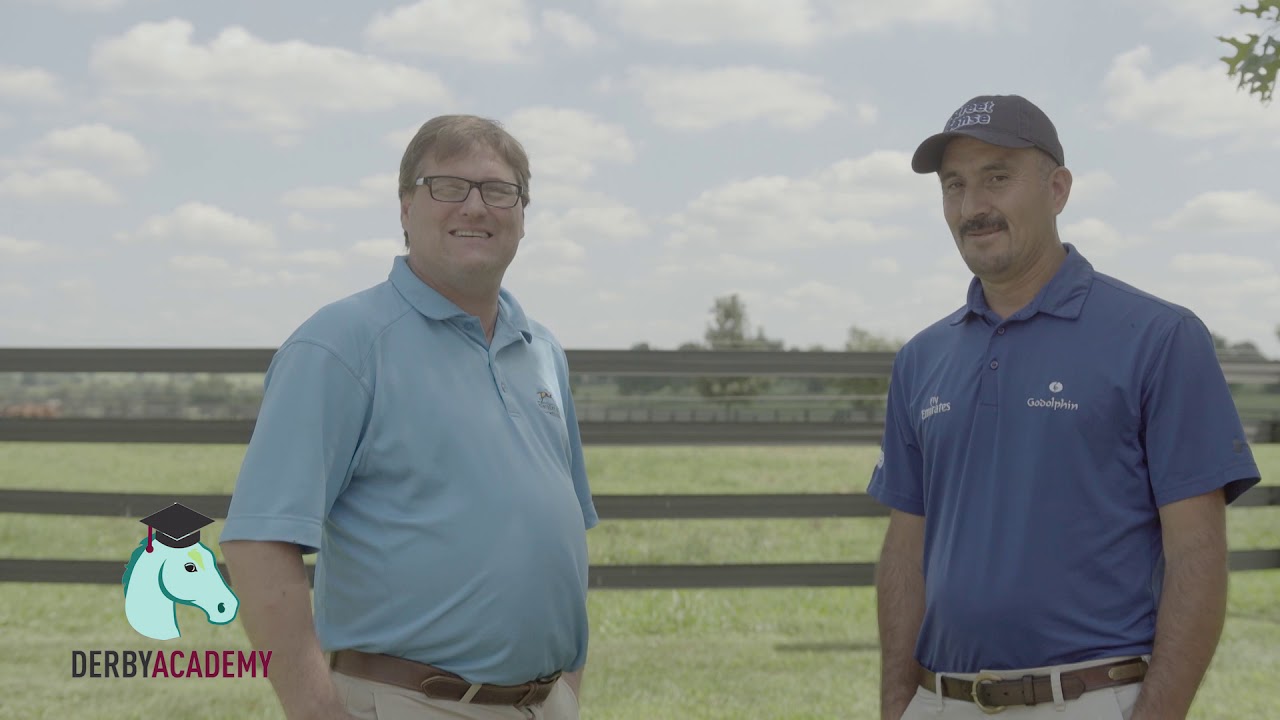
(935, 406)
(1053, 403)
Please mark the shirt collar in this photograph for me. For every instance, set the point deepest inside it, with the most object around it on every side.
(433, 305)
(1063, 296)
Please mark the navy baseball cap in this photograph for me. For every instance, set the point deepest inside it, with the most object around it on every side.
(1006, 120)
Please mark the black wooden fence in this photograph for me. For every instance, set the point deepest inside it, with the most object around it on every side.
(610, 507)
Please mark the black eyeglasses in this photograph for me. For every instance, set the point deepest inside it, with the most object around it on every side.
(494, 193)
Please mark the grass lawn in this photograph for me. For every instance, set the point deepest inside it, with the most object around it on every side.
(775, 653)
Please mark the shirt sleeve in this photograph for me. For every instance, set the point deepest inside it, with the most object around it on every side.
(898, 478)
(577, 464)
(313, 414)
(1193, 437)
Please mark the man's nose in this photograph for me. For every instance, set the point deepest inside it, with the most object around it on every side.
(976, 202)
(474, 201)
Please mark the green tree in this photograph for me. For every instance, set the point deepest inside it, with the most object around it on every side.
(860, 340)
(640, 384)
(731, 330)
(1256, 60)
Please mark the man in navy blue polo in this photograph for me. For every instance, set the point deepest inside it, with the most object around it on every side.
(421, 436)
(1057, 458)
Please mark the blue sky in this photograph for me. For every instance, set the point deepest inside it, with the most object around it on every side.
(209, 174)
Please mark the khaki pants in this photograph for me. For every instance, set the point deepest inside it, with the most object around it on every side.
(1114, 703)
(368, 700)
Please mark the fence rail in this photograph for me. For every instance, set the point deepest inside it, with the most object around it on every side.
(588, 362)
(610, 507)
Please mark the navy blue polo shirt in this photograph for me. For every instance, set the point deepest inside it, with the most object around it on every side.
(1039, 449)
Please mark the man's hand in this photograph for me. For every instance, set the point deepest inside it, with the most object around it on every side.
(900, 610)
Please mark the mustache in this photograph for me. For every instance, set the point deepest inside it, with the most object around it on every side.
(980, 224)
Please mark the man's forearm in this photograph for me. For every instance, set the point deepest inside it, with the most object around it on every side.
(1188, 625)
(899, 611)
(270, 581)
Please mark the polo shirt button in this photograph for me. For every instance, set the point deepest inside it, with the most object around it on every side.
(504, 387)
(995, 364)
(1000, 331)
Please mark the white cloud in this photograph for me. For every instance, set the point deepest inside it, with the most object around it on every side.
(14, 290)
(82, 5)
(704, 22)
(478, 30)
(370, 191)
(1089, 186)
(608, 221)
(734, 265)
(866, 16)
(1185, 101)
(1212, 17)
(1096, 238)
(112, 149)
(885, 266)
(565, 144)
(29, 85)
(322, 258)
(553, 250)
(1235, 266)
(399, 139)
(1223, 211)
(12, 246)
(211, 271)
(725, 265)
(278, 87)
(792, 24)
(692, 99)
(199, 263)
(841, 204)
(568, 29)
(58, 184)
(303, 224)
(382, 249)
(196, 223)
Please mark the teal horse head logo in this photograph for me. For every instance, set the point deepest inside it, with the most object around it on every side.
(170, 568)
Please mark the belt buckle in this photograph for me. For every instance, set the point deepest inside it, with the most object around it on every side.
(978, 681)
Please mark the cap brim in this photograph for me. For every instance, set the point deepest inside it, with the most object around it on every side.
(928, 157)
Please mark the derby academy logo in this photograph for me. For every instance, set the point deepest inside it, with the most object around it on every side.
(547, 403)
(170, 568)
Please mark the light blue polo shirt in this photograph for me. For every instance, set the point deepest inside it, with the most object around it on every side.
(441, 479)
(1039, 449)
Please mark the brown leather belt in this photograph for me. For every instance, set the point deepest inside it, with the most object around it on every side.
(992, 693)
(436, 683)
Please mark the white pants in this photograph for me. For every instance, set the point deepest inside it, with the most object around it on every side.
(369, 700)
(1114, 703)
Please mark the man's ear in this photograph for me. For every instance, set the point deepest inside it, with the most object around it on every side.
(1060, 185)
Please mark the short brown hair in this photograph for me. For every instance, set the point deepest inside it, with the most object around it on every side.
(449, 136)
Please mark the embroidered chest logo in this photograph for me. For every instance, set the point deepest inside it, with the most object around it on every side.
(1055, 402)
(935, 407)
(547, 403)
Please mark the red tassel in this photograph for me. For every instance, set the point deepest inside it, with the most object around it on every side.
(148, 539)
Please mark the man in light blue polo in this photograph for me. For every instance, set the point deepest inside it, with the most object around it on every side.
(421, 436)
(1057, 457)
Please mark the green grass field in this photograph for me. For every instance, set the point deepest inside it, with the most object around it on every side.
(785, 653)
